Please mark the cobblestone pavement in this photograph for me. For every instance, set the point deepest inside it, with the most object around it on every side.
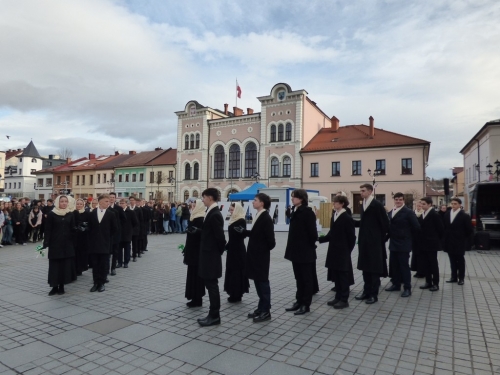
(140, 324)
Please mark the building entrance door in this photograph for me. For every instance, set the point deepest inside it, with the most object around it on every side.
(357, 204)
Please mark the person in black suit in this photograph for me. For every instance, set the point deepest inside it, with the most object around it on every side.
(130, 225)
(341, 240)
(136, 251)
(261, 242)
(348, 212)
(147, 215)
(301, 250)
(102, 226)
(404, 226)
(416, 263)
(373, 228)
(457, 230)
(120, 221)
(431, 233)
(213, 242)
(81, 240)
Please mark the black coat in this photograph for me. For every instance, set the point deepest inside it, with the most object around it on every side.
(373, 228)
(261, 242)
(147, 214)
(185, 213)
(130, 225)
(431, 231)
(59, 235)
(302, 236)
(101, 234)
(121, 219)
(213, 242)
(138, 214)
(456, 234)
(19, 216)
(193, 240)
(341, 240)
(236, 250)
(404, 227)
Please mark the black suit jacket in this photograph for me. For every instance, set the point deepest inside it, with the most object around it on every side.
(130, 225)
(431, 231)
(138, 214)
(213, 243)
(341, 240)
(456, 234)
(101, 234)
(261, 242)
(404, 226)
(121, 219)
(302, 236)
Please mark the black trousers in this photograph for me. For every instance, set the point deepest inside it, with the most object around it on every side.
(212, 286)
(304, 277)
(99, 267)
(400, 267)
(457, 264)
(114, 254)
(341, 280)
(431, 267)
(144, 242)
(263, 289)
(135, 246)
(123, 253)
(372, 283)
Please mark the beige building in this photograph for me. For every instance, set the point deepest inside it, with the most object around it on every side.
(341, 158)
(457, 183)
(2, 170)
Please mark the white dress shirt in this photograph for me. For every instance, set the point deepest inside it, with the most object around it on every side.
(453, 214)
(395, 210)
(424, 214)
(367, 201)
(337, 214)
(210, 208)
(100, 213)
(258, 215)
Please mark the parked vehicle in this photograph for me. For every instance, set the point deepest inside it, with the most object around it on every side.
(485, 213)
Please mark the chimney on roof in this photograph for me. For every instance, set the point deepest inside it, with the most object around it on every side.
(91, 156)
(372, 128)
(51, 157)
(131, 152)
(68, 160)
(237, 111)
(335, 124)
(158, 149)
(225, 109)
(249, 111)
(117, 153)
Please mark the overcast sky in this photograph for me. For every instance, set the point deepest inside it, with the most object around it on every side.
(99, 76)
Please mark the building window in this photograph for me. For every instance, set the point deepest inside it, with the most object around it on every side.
(314, 169)
(380, 166)
(186, 142)
(140, 195)
(250, 159)
(219, 162)
(406, 167)
(127, 179)
(170, 174)
(83, 179)
(151, 177)
(104, 177)
(280, 133)
(91, 179)
(356, 168)
(48, 182)
(380, 198)
(58, 179)
(33, 160)
(120, 178)
(39, 182)
(98, 178)
(159, 178)
(67, 179)
(288, 132)
(119, 195)
(20, 185)
(141, 177)
(192, 141)
(195, 193)
(273, 133)
(287, 166)
(33, 171)
(336, 168)
(187, 171)
(234, 161)
(196, 171)
(275, 167)
(197, 141)
(20, 171)
(186, 195)
(77, 180)
(134, 177)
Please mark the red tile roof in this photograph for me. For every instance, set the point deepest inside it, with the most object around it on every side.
(169, 157)
(356, 137)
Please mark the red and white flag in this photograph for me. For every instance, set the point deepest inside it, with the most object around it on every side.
(238, 90)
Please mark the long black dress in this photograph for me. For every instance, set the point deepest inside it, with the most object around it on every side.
(81, 243)
(195, 287)
(236, 282)
(59, 234)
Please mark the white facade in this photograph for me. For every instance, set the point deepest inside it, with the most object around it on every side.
(21, 182)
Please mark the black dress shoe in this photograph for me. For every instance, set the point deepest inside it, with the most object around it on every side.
(341, 305)
(262, 317)
(371, 300)
(460, 282)
(113, 273)
(118, 266)
(426, 286)
(139, 255)
(101, 288)
(406, 293)
(418, 276)
(107, 281)
(302, 310)
(334, 289)
(333, 302)
(361, 296)
(53, 291)
(451, 281)
(194, 303)
(125, 266)
(60, 291)
(234, 299)
(434, 288)
(209, 321)
(94, 288)
(393, 288)
(254, 314)
(294, 307)
(134, 259)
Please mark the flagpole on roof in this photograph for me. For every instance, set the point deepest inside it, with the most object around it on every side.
(236, 91)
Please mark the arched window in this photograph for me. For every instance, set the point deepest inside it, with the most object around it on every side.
(280, 133)
(186, 142)
(219, 162)
(192, 141)
(287, 166)
(234, 161)
(273, 133)
(196, 171)
(186, 195)
(187, 171)
(197, 141)
(195, 193)
(288, 132)
(275, 167)
(250, 159)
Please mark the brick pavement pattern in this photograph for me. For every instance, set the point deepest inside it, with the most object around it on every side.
(140, 324)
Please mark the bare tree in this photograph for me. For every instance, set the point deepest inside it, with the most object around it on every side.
(160, 178)
(65, 153)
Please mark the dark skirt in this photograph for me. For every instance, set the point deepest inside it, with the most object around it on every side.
(61, 271)
(316, 283)
(236, 282)
(81, 255)
(195, 287)
(331, 276)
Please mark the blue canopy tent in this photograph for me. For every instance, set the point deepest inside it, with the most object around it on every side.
(247, 194)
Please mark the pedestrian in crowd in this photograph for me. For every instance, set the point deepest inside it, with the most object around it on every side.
(19, 219)
(136, 233)
(173, 215)
(129, 227)
(35, 221)
(7, 229)
(301, 250)
(158, 219)
(81, 242)
(27, 227)
(166, 219)
(404, 227)
(288, 214)
(195, 287)
(102, 225)
(373, 229)
(120, 219)
(49, 206)
(431, 234)
(178, 219)
(93, 204)
(147, 214)
(58, 238)
(416, 263)
(457, 230)
(185, 217)
(235, 281)
(260, 243)
(2, 223)
(443, 209)
(341, 240)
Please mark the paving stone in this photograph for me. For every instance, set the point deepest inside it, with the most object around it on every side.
(232, 362)
(277, 368)
(196, 352)
(162, 342)
(134, 333)
(106, 326)
(71, 338)
(25, 354)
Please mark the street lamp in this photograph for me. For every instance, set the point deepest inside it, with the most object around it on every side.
(171, 181)
(496, 171)
(376, 172)
(256, 175)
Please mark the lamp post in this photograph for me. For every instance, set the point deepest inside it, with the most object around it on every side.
(496, 171)
(256, 175)
(111, 182)
(171, 181)
(376, 172)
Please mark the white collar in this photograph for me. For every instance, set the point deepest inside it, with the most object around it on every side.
(337, 214)
(210, 208)
(396, 210)
(258, 215)
(424, 214)
(368, 201)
